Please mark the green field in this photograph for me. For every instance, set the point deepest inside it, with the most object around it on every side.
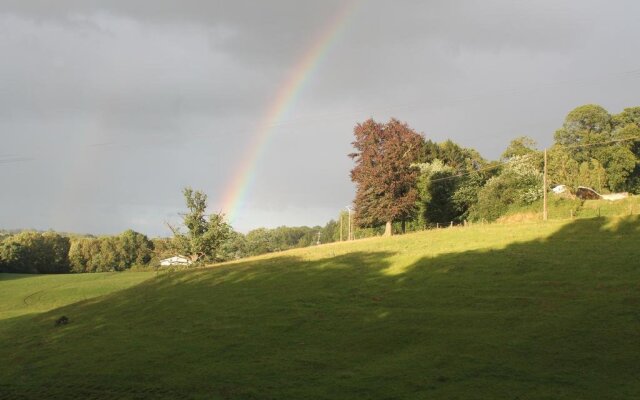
(560, 208)
(527, 311)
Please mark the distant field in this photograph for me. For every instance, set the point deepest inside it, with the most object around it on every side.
(521, 311)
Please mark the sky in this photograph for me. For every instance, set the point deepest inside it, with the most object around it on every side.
(109, 108)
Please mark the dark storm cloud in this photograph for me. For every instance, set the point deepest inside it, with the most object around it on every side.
(109, 108)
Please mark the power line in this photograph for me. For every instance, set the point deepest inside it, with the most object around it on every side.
(488, 168)
(566, 146)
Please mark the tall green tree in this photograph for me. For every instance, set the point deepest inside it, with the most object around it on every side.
(135, 248)
(627, 125)
(565, 170)
(384, 174)
(586, 126)
(205, 234)
(590, 133)
(110, 253)
(436, 189)
(520, 146)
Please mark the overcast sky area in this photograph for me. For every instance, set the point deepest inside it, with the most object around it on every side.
(109, 108)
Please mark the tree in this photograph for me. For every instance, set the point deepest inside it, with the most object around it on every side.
(260, 241)
(435, 190)
(563, 169)
(451, 154)
(590, 132)
(135, 248)
(205, 236)
(110, 253)
(384, 175)
(465, 196)
(14, 257)
(56, 254)
(234, 247)
(585, 125)
(521, 146)
(519, 183)
(451, 199)
(330, 232)
(34, 252)
(627, 125)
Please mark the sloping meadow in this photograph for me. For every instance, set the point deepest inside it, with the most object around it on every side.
(489, 311)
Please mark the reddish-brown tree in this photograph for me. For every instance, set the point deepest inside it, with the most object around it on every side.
(385, 180)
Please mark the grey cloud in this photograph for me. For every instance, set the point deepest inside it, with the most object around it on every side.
(109, 108)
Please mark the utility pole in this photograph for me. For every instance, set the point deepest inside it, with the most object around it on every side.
(544, 188)
(351, 228)
(349, 235)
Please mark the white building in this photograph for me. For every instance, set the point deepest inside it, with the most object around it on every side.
(560, 189)
(175, 260)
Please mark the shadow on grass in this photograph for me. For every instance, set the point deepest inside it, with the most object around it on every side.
(552, 318)
(9, 276)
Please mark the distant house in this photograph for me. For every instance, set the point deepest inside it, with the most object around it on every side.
(586, 193)
(175, 260)
(560, 189)
(563, 191)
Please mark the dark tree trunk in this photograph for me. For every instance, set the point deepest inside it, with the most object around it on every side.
(404, 227)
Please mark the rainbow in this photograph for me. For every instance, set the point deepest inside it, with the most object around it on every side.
(236, 191)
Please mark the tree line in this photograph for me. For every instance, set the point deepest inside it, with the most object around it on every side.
(201, 237)
(403, 178)
(404, 181)
(51, 252)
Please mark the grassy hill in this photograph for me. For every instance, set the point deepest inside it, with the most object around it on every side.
(29, 294)
(528, 311)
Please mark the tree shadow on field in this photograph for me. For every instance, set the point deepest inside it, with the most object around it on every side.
(551, 318)
(9, 276)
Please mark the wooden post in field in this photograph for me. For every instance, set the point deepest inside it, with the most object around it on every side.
(341, 226)
(451, 226)
(544, 188)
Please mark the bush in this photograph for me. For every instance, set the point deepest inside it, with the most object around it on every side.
(520, 183)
